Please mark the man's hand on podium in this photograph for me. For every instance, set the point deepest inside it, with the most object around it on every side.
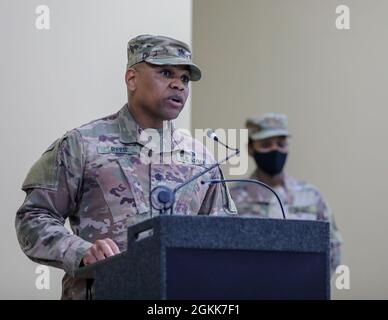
(100, 250)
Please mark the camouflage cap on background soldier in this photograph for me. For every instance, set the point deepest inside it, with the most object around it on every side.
(161, 50)
(267, 126)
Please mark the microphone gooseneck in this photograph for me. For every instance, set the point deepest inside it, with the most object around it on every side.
(212, 181)
(212, 135)
(205, 171)
(163, 198)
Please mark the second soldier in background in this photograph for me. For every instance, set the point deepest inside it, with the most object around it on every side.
(268, 145)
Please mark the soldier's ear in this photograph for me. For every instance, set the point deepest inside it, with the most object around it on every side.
(130, 79)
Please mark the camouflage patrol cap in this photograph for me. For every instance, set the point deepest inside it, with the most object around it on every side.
(160, 50)
(267, 126)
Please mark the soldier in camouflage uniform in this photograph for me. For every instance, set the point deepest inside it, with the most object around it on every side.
(268, 145)
(99, 176)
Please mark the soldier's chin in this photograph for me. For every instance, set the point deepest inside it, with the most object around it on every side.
(172, 114)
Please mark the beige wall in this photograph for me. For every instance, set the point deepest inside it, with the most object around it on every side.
(52, 81)
(287, 56)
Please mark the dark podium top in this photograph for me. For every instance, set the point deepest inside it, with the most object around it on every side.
(217, 257)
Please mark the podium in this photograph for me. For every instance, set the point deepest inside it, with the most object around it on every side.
(217, 257)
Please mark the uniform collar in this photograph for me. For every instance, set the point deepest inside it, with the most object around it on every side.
(129, 129)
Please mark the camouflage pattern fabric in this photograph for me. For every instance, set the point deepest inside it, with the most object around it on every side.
(300, 201)
(267, 126)
(161, 50)
(95, 177)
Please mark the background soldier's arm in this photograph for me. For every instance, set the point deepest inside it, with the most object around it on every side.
(335, 236)
(53, 189)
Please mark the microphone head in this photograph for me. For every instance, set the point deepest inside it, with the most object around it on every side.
(211, 134)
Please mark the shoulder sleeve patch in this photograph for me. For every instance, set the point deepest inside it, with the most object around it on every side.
(43, 174)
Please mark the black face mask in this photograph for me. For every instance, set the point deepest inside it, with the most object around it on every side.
(272, 162)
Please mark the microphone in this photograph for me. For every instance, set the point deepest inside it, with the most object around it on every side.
(213, 181)
(206, 170)
(213, 136)
(162, 198)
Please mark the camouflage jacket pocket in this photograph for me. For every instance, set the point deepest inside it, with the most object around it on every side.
(116, 190)
(188, 199)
